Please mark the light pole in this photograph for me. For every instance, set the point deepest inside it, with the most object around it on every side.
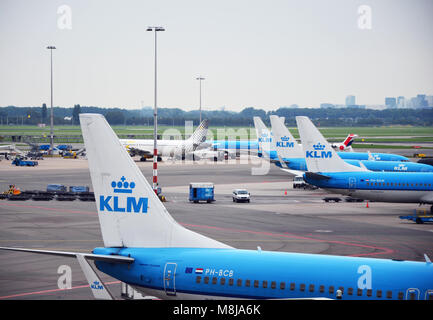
(155, 118)
(51, 48)
(200, 79)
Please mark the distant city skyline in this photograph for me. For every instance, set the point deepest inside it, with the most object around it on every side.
(252, 53)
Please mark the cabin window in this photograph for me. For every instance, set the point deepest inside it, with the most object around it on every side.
(359, 292)
(206, 280)
(282, 285)
(292, 286)
(198, 279)
(322, 289)
(350, 291)
(222, 281)
(389, 294)
(273, 284)
(265, 284)
(331, 289)
(302, 287)
(214, 280)
(247, 283)
(369, 291)
(400, 296)
(341, 289)
(311, 288)
(256, 283)
(239, 282)
(387, 184)
(231, 281)
(368, 183)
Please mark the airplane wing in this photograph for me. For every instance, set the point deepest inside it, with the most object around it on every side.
(295, 172)
(285, 168)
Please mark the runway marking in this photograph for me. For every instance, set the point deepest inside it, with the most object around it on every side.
(50, 291)
(383, 249)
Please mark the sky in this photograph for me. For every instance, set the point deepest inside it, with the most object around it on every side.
(252, 53)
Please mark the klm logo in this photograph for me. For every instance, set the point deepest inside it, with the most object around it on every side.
(318, 152)
(265, 138)
(122, 203)
(285, 143)
(400, 167)
(96, 285)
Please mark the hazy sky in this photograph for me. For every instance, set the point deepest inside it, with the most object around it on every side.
(263, 54)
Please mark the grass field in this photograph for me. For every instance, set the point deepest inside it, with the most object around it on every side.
(370, 134)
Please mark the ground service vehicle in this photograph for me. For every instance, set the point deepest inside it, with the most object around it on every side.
(241, 195)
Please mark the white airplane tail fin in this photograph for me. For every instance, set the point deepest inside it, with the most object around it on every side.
(285, 144)
(198, 137)
(130, 213)
(319, 155)
(264, 136)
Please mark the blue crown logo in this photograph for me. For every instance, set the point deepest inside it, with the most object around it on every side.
(319, 146)
(123, 186)
(285, 138)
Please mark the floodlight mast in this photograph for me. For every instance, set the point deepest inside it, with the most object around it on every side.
(155, 117)
(51, 48)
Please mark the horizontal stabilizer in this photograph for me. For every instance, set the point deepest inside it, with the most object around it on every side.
(316, 176)
(90, 256)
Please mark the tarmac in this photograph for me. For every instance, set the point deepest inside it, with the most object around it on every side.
(278, 218)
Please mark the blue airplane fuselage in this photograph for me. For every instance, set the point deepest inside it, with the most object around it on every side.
(234, 144)
(355, 156)
(300, 164)
(222, 273)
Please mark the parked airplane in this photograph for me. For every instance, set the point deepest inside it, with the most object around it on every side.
(291, 154)
(346, 145)
(146, 248)
(328, 171)
(265, 138)
(169, 148)
(10, 149)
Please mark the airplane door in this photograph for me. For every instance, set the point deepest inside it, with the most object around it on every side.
(412, 294)
(352, 183)
(169, 278)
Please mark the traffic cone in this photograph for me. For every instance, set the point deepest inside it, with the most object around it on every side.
(367, 205)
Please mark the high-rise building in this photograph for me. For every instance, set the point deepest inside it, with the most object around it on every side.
(390, 102)
(350, 100)
(400, 102)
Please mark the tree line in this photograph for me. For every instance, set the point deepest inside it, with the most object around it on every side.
(347, 117)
